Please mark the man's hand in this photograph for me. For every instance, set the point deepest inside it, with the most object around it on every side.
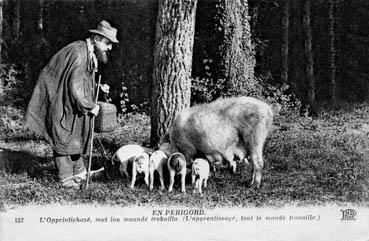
(95, 110)
(105, 88)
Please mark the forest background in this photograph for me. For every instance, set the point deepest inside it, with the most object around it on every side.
(32, 31)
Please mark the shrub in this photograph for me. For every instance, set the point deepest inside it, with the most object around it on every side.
(123, 99)
(279, 94)
(202, 90)
(127, 107)
(10, 121)
(11, 88)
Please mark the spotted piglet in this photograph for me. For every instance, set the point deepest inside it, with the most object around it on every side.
(138, 157)
(177, 165)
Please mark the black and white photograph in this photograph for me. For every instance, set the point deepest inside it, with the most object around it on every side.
(184, 120)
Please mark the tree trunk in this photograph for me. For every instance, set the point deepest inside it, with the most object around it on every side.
(238, 59)
(175, 29)
(40, 24)
(16, 20)
(308, 54)
(1, 29)
(296, 63)
(332, 49)
(285, 28)
(2, 84)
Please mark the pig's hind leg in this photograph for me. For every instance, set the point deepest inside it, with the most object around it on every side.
(256, 148)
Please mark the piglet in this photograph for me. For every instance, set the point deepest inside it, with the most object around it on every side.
(200, 174)
(157, 161)
(138, 157)
(177, 165)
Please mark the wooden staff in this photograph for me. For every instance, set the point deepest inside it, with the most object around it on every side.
(92, 135)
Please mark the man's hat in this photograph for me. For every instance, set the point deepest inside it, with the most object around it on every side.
(104, 29)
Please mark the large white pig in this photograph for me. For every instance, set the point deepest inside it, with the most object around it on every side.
(218, 129)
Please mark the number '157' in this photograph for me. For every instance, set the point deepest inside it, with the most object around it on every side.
(19, 220)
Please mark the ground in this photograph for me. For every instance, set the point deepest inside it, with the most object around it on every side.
(309, 161)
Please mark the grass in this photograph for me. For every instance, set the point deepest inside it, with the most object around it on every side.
(308, 162)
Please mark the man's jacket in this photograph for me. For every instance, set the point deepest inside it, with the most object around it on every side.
(63, 95)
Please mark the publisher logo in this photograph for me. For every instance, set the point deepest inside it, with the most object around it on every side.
(348, 214)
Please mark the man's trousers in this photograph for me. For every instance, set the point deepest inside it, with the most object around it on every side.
(69, 166)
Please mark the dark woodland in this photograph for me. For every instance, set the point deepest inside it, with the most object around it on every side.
(32, 31)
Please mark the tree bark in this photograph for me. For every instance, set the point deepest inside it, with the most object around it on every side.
(285, 28)
(174, 39)
(308, 54)
(238, 59)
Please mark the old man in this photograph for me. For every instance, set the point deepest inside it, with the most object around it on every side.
(62, 102)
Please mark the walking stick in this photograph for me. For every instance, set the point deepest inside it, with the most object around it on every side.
(92, 135)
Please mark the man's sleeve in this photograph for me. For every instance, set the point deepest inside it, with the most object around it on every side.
(80, 87)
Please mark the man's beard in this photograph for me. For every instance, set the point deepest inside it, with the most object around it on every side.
(101, 55)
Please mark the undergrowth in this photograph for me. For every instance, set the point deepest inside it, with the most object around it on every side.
(307, 162)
